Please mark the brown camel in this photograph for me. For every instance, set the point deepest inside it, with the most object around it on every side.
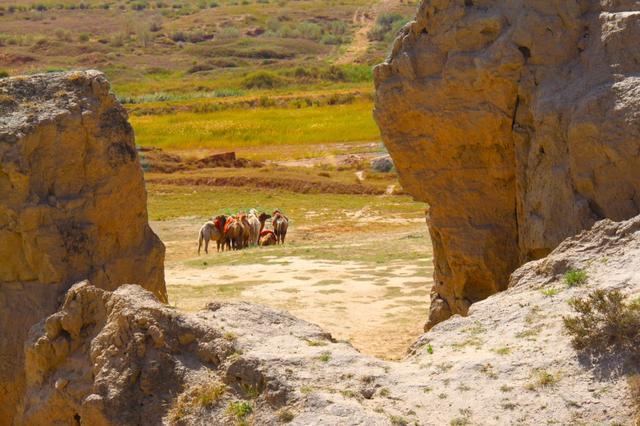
(233, 234)
(246, 229)
(280, 226)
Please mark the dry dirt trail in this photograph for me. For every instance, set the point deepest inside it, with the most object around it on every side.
(366, 18)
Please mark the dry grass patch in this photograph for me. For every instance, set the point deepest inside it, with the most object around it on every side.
(198, 397)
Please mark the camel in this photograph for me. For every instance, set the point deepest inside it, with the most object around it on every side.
(266, 237)
(233, 234)
(246, 229)
(280, 225)
(212, 230)
(254, 222)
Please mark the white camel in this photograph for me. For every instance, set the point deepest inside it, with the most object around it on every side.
(254, 222)
(207, 233)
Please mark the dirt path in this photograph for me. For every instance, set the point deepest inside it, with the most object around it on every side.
(366, 19)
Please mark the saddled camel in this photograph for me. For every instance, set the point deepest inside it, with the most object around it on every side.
(212, 230)
(233, 234)
(280, 225)
(266, 237)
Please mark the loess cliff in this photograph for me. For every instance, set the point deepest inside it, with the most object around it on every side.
(517, 122)
(72, 206)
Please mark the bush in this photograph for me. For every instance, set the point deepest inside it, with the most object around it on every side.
(262, 80)
(240, 410)
(386, 27)
(4, 74)
(605, 324)
(229, 32)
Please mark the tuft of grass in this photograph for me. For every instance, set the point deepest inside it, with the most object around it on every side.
(542, 379)
(285, 415)
(252, 392)
(230, 336)
(575, 277)
(550, 292)
(239, 410)
(201, 396)
(312, 342)
(384, 392)
(503, 350)
(325, 356)
(398, 421)
(429, 349)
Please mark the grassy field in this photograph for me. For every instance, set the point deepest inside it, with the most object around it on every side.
(258, 127)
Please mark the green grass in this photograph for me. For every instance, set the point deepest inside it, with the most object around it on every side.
(239, 410)
(172, 201)
(575, 277)
(258, 127)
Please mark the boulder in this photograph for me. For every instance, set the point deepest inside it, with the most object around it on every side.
(382, 164)
(517, 122)
(72, 207)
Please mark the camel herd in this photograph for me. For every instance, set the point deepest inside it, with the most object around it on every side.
(242, 230)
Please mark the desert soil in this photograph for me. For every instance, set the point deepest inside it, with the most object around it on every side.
(379, 307)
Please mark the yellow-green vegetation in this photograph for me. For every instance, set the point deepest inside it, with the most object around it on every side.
(311, 342)
(325, 356)
(285, 415)
(398, 420)
(258, 127)
(230, 336)
(575, 277)
(542, 379)
(204, 395)
(239, 410)
(503, 350)
(550, 292)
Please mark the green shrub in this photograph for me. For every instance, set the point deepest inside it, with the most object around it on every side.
(386, 27)
(4, 74)
(262, 80)
(605, 324)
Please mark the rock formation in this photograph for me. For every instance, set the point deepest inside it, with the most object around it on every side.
(72, 207)
(122, 358)
(517, 122)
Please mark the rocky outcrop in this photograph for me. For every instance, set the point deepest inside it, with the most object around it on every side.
(122, 358)
(517, 122)
(72, 206)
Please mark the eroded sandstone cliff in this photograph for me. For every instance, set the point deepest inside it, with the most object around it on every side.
(517, 122)
(72, 206)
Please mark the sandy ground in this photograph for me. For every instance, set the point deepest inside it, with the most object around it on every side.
(379, 308)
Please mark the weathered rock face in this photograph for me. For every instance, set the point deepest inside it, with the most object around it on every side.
(517, 121)
(72, 206)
